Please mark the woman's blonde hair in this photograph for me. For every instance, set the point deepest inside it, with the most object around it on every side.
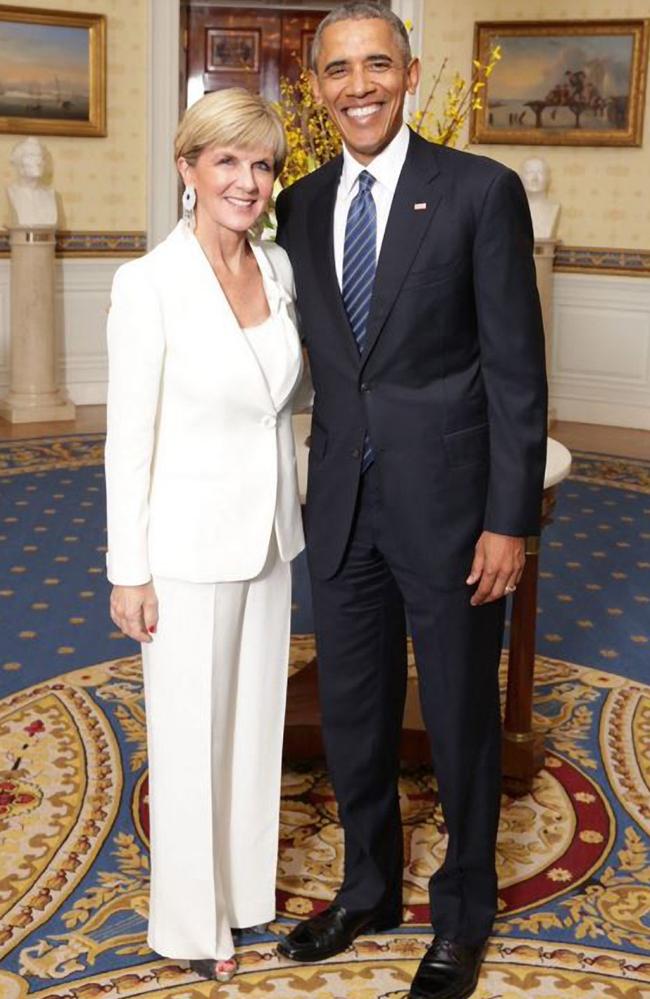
(231, 117)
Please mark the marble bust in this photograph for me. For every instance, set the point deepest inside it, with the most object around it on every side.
(32, 202)
(536, 175)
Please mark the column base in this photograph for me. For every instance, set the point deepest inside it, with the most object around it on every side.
(37, 409)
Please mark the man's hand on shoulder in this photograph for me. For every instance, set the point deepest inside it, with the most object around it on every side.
(497, 567)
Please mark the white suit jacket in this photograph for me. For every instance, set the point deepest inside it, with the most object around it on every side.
(200, 464)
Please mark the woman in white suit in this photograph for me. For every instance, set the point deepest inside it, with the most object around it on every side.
(203, 520)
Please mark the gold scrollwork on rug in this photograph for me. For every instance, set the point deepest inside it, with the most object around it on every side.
(614, 907)
(562, 712)
(617, 473)
(382, 967)
(48, 454)
(111, 915)
(625, 747)
(63, 779)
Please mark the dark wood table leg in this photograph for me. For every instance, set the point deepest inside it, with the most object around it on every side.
(303, 739)
(523, 749)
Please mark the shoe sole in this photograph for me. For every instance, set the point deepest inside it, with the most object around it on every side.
(305, 956)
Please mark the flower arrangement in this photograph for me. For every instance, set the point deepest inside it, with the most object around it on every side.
(313, 139)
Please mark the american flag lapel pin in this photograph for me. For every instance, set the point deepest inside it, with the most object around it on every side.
(420, 206)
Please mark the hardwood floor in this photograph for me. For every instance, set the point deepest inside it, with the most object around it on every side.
(90, 420)
(619, 441)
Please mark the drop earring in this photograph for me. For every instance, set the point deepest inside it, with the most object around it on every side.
(189, 201)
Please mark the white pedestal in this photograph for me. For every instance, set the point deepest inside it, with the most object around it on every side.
(544, 255)
(34, 396)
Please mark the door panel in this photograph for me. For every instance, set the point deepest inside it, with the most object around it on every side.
(240, 47)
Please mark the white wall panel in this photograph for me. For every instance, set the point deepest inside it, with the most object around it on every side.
(600, 369)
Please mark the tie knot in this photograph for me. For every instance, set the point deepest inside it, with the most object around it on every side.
(366, 180)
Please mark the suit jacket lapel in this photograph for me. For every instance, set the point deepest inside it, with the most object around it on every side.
(321, 246)
(405, 231)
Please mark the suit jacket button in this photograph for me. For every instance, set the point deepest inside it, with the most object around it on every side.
(356, 453)
(269, 421)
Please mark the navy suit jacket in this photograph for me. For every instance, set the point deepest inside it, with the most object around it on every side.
(451, 386)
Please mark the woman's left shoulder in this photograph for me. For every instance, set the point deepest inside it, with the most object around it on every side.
(279, 261)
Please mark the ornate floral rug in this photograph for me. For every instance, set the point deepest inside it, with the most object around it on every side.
(574, 854)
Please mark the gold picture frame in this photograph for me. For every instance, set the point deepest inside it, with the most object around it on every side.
(52, 72)
(562, 83)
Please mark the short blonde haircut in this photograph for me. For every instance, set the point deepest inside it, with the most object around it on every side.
(231, 117)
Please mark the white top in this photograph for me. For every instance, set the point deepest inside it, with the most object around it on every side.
(271, 349)
(386, 169)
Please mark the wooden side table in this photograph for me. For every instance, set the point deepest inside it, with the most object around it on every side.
(523, 750)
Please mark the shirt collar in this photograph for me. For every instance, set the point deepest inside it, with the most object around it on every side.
(385, 168)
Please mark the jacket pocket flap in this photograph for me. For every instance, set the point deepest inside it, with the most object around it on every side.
(435, 274)
(469, 446)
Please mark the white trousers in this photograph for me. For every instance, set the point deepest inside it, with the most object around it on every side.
(215, 689)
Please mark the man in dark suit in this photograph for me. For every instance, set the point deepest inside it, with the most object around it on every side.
(416, 289)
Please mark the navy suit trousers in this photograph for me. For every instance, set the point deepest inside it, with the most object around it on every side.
(360, 618)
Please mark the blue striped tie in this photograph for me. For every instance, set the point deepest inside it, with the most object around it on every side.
(359, 265)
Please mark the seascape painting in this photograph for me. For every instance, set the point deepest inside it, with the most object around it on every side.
(580, 83)
(44, 71)
(52, 72)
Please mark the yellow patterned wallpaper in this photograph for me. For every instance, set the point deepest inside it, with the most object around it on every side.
(102, 181)
(603, 191)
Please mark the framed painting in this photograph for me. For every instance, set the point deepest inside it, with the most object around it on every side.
(562, 83)
(52, 72)
(230, 49)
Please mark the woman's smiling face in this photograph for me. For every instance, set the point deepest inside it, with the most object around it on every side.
(362, 80)
(233, 186)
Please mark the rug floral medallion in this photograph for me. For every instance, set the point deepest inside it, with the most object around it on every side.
(574, 865)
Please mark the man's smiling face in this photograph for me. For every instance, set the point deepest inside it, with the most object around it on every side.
(362, 80)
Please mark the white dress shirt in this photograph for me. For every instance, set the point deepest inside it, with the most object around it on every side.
(386, 169)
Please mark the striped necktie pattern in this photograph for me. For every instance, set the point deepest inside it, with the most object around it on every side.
(359, 266)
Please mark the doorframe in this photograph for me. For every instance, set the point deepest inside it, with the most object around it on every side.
(162, 118)
(164, 20)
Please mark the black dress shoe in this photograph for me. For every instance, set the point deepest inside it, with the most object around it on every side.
(448, 970)
(332, 931)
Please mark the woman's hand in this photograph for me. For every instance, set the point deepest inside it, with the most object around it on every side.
(134, 609)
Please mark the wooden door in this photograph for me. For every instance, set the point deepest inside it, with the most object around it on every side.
(245, 47)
